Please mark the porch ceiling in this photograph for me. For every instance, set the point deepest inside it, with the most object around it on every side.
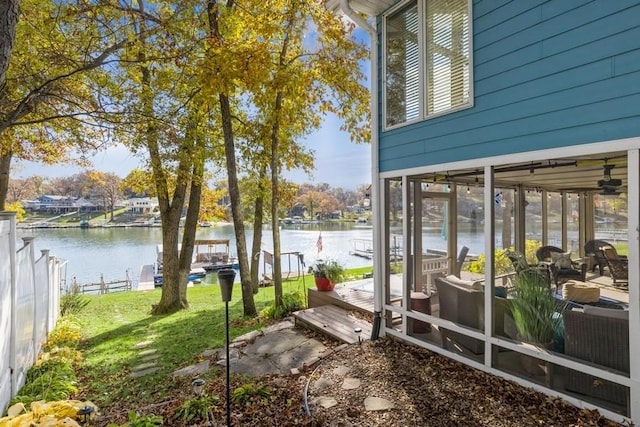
(366, 7)
(569, 174)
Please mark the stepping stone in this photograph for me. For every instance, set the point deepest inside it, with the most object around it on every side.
(210, 352)
(350, 383)
(150, 357)
(326, 402)
(142, 344)
(148, 352)
(250, 336)
(192, 370)
(144, 372)
(322, 383)
(285, 324)
(143, 366)
(377, 404)
(234, 353)
(341, 370)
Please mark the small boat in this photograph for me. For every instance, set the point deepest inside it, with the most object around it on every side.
(194, 277)
(213, 255)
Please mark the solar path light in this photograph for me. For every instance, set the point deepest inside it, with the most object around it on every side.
(225, 279)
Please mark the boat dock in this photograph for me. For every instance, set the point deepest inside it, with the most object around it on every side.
(362, 248)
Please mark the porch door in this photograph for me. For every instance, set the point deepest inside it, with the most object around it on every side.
(432, 231)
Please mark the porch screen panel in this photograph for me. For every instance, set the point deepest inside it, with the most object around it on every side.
(402, 66)
(448, 54)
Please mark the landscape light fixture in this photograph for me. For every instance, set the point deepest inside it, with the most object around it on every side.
(197, 385)
(225, 279)
(358, 331)
(85, 412)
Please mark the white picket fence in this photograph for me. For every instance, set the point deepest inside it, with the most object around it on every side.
(29, 305)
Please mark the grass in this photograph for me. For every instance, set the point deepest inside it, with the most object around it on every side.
(113, 324)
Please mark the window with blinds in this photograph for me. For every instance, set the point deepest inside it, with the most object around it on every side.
(427, 50)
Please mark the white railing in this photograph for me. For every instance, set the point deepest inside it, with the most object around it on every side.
(433, 266)
(29, 305)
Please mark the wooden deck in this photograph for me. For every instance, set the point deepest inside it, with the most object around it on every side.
(334, 322)
(343, 297)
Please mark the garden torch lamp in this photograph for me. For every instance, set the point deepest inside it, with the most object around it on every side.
(197, 385)
(225, 279)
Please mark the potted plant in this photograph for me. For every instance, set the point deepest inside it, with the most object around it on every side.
(535, 310)
(327, 274)
(536, 313)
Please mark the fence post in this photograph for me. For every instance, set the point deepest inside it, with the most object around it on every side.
(8, 361)
(103, 287)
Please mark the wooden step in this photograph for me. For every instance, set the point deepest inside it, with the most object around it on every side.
(334, 322)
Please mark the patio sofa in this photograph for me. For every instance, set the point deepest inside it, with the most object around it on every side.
(599, 336)
(462, 302)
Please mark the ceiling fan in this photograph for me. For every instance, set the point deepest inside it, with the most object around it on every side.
(607, 186)
(607, 183)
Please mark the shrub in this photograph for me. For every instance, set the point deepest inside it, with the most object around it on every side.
(72, 302)
(52, 378)
(197, 409)
(65, 334)
(246, 392)
(290, 302)
(136, 420)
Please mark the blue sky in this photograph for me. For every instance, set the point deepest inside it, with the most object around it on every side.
(339, 162)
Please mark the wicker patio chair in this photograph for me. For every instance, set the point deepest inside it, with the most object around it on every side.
(598, 339)
(618, 267)
(559, 275)
(592, 249)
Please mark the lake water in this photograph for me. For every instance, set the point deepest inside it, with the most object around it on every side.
(116, 252)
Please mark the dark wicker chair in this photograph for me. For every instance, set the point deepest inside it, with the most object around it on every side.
(592, 249)
(578, 271)
(618, 267)
(600, 340)
(464, 306)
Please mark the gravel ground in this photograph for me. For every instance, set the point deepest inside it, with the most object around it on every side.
(427, 389)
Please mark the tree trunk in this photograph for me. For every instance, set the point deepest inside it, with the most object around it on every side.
(275, 201)
(257, 231)
(190, 226)
(234, 192)
(236, 209)
(9, 12)
(170, 210)
(5, 169)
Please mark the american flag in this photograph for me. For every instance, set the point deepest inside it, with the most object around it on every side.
(319, 243)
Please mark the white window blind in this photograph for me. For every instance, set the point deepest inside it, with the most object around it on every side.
(447, 49)
(427, 51)
(402, 66)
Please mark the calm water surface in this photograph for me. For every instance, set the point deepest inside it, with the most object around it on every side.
(116, 252)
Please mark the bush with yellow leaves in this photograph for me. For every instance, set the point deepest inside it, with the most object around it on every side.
(60, 413)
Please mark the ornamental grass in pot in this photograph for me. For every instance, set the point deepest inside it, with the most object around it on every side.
(536, 313)
(327, 273)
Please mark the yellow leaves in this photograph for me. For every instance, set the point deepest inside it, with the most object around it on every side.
(61, 413)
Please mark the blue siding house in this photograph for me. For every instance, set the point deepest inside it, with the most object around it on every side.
(503, 128)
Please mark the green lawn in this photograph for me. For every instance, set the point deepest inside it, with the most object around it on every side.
(114, 323)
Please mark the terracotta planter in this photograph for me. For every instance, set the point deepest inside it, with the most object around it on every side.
(324, 284)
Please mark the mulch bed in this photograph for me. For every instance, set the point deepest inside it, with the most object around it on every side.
(426, 389)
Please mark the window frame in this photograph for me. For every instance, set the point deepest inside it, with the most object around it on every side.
(422, 67)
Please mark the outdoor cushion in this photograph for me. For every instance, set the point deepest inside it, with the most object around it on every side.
(606, 312)
(471, 284)
(561, 259)
(580, 292)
